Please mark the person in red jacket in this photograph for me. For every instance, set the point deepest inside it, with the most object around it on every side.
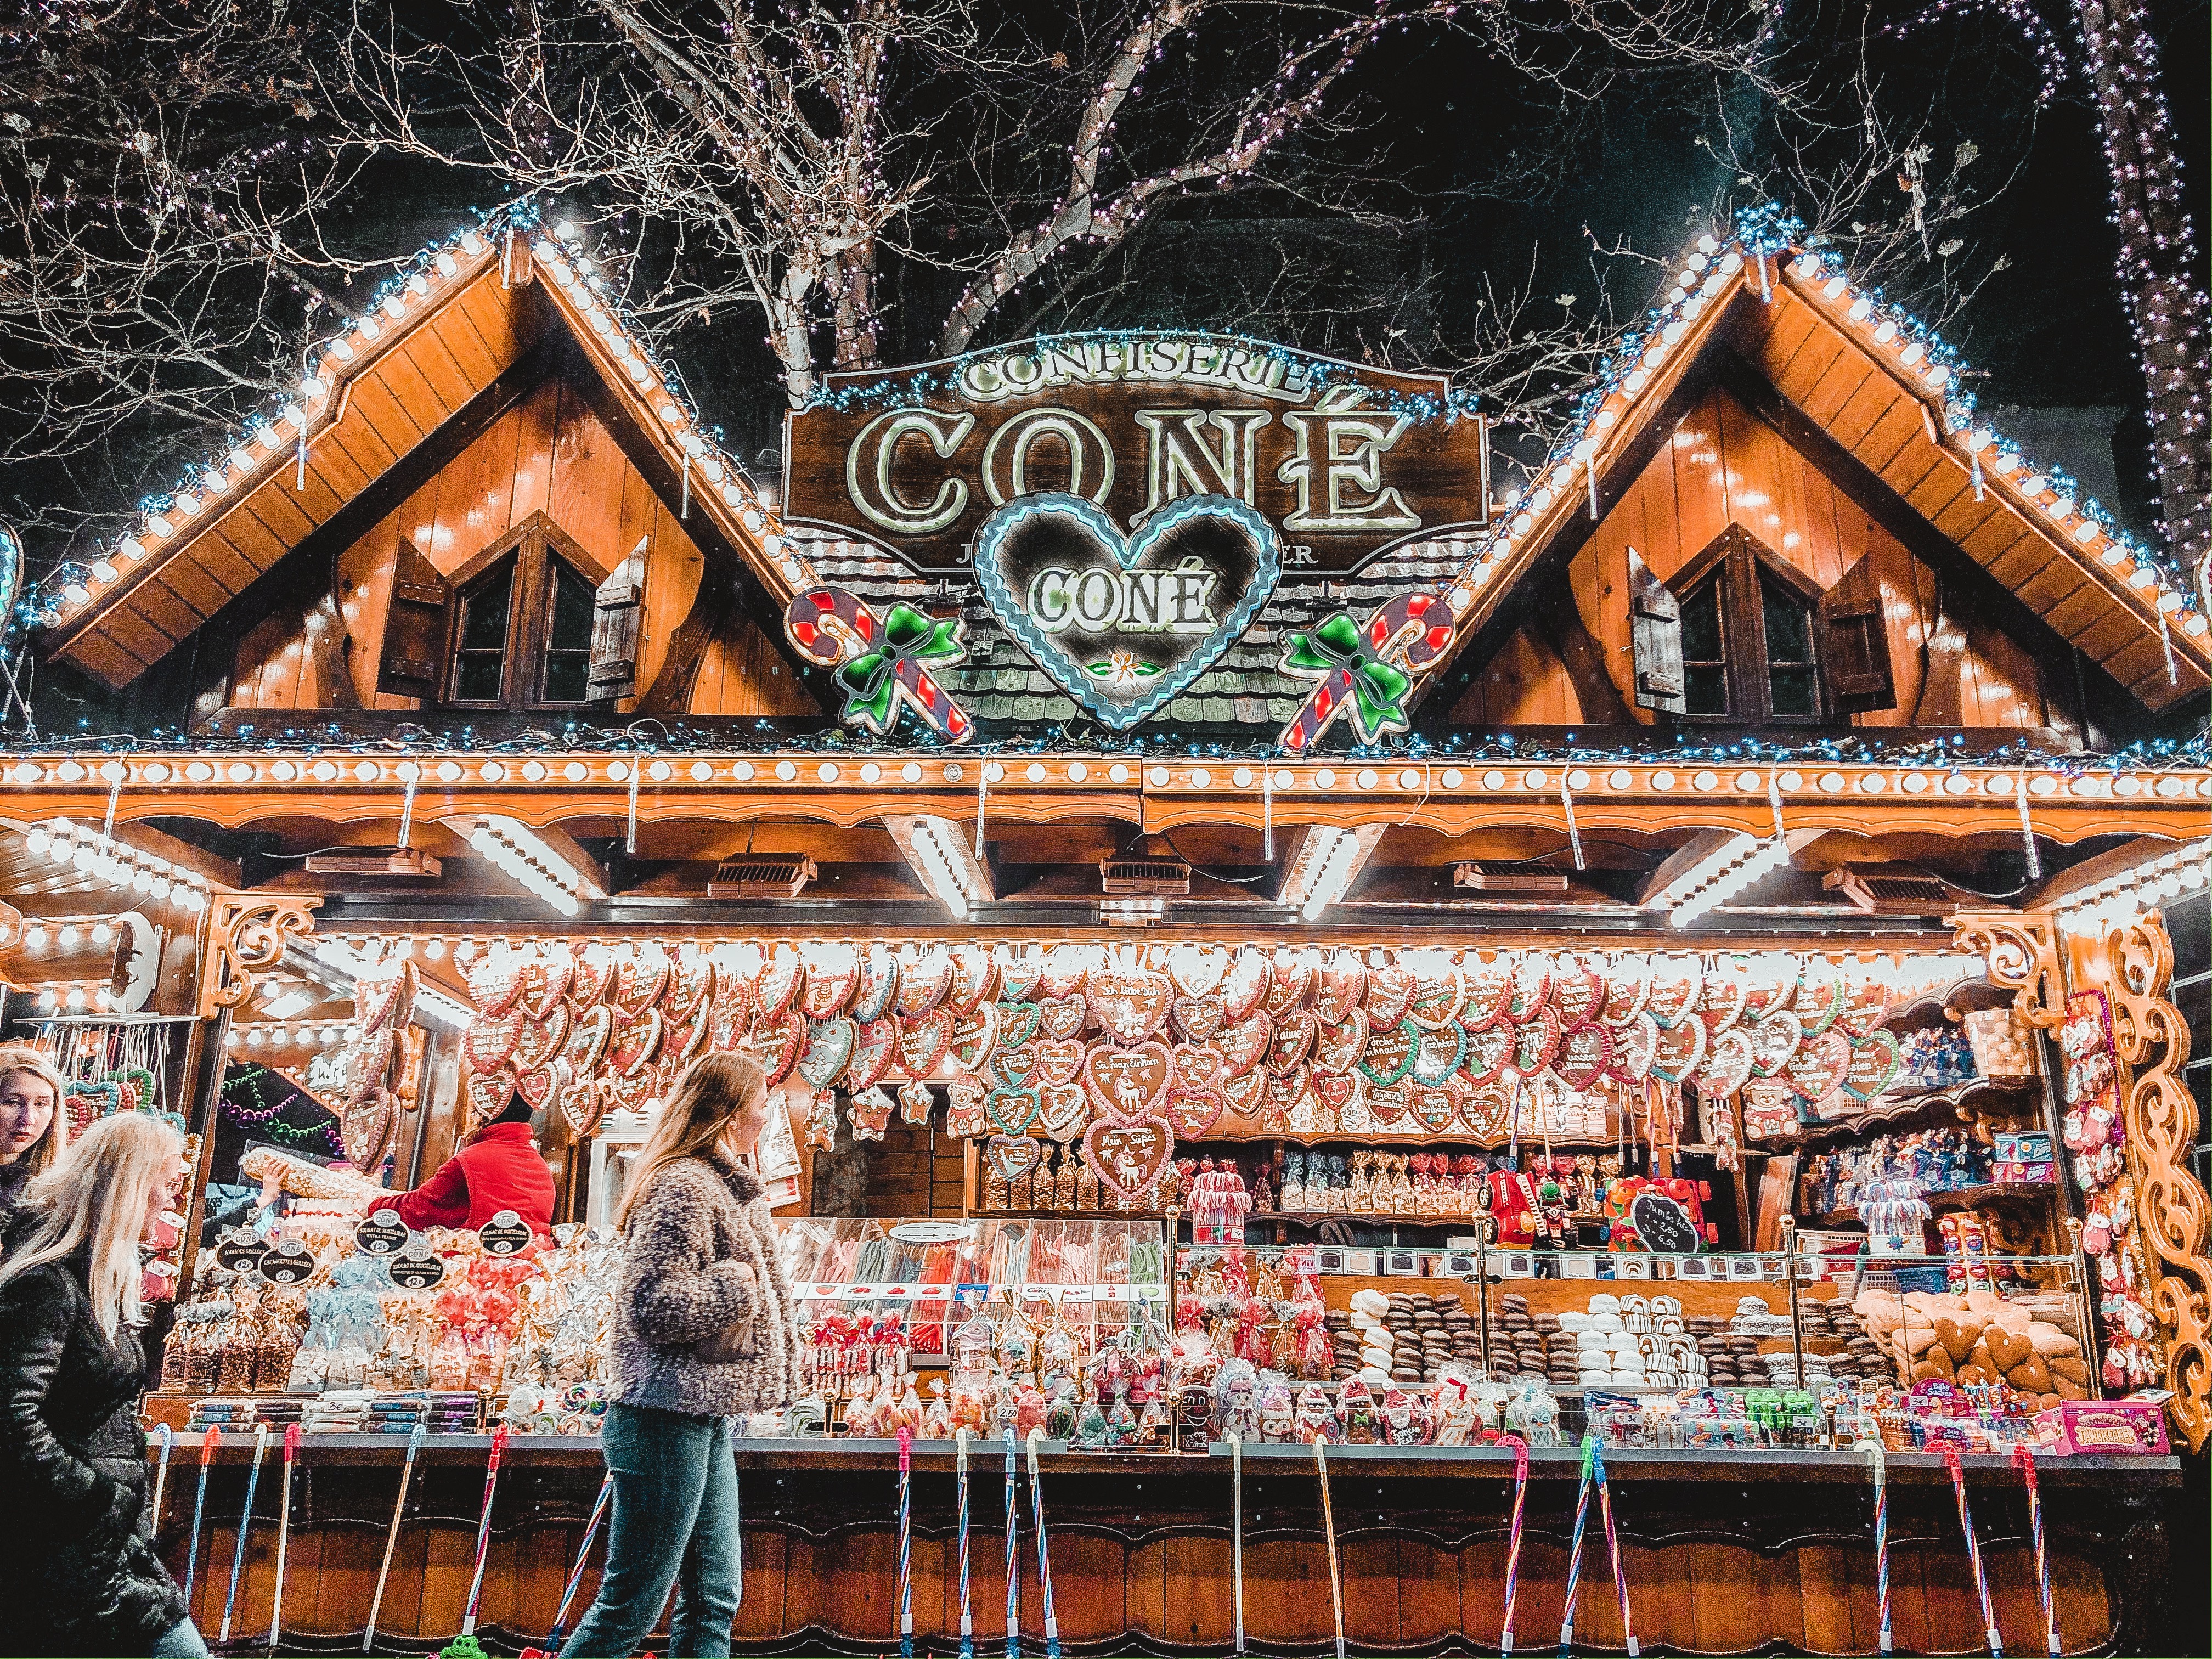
(499, 1168)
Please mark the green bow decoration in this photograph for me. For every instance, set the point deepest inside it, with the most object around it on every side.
(1378, 687)
(870, 682)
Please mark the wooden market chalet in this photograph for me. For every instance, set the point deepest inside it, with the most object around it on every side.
(483, 638)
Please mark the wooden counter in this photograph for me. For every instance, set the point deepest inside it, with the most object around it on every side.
(1726, 1552)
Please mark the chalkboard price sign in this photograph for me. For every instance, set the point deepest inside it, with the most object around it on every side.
(1663, 1224)
(382, 1233)
(241, 1252)
(415, 1268)
(505, 1234)
(290, 1263)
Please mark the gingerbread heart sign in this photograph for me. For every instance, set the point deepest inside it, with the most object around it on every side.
(1010, 1156)
(1062, 1109)
(1197, 1018)
(829, 1050)
(877, 985)
(494, 980)
(492, 1039)
(1129, 1004)
(1197, 972)
(924, 1041)
(1012, 1110)
(1127, 1083)
(873, 1050)
(1129, 1159)
(1342, 986)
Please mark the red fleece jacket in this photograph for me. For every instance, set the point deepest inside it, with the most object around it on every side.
(499, 1168)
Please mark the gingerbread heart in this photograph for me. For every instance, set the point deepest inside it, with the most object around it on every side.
(1020, 978)
(877, 985)
(639, 979)
(1865, 1006)
(1012, 1155)
(915, 1102)
(680, 1039)
(1489, 989)
(1439, 993)
(365, 1066)
(547, 981)
(830, 982)
(1013, 1066)
(1063, 1109)
(1066, 966)
(976, 1035)
(1194, 1071)
(1294, 1041)
(1191, 1116)
(1577, 992)
(2006, 1349)
(1245, 1044)
(1341, 987)
(1774, 1043)
(1489, 1050)
(1390, 1053)
(874, 1049)
(1196, 971)
(1434, 1110)
(974, 975)
(1337, 1047)
(1583, 1054)
(1627, 989)
(494, 982)
(1387, 1103)
(727, 1022)
(580, 1103)
(1197, 1018)
(1288, 987)
(1821, 996)
(1245, 985)
(1128, 1157)
(924, 1041)
(1820, 1065)
(924, 982)
(1343, 1093)
(963, 1106)
(688, 983)
(594, 974)
(1536, 1040)
(541, 1039)
(1127, 1083)
(777, 1043)
(1438, 1053)
(777, 986)
(1389, 994)
(492, 1039)
(1765, 990)
(1487, 1111)
(365, 1128)
(588, 1039)
(1727, 1065)
(1681, 1050)
(636, 1043)
(535, 1087)
(1957, 1339)
(1721, 999)
(1635, 1047)
(1130, 1004)
(1061, 1017)
(829, 1050)
(1242, 1092)
(1018, 1022)
(1013, 1111)
(1059, 1062)
(1874, 1063)
(1676, 984)
(376, 1001)
(487, 1094)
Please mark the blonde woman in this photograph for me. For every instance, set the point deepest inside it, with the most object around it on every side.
(74, 1529)
(702, 1331)
(31, 1134)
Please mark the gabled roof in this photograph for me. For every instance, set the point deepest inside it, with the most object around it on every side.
(431, 343)
(1860, 378)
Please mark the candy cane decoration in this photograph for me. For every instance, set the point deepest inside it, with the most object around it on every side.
(208, 1442)
(1575, 1551)
(966, 1615)
(1013, 1560)
(1513, 1538)
(483, 1529)
(245, 1529)
(906, 1540)
(283, 1535)
(576, 1573)
(162, 1471)
(1874, 1455)
(1367, 668)
(1328, 1532)
(2025, 1456)
(1612, 1544)
(879, 665)
(1974, 1552)
(1044, 1554)
(1235, 1532)
(391, 1535)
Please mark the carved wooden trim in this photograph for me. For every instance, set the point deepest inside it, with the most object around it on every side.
(2023, 955)
(246, 936)
(2150, 1040)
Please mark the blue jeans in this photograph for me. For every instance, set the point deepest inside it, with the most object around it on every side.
(675, 1522)
(182, 1640)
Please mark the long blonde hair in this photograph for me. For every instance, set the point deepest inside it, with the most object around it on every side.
(21, 1057)
(98, 1192)
(713, 1089)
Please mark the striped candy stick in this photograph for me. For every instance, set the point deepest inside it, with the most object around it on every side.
(1575, 1549)
(1513, 1538)
(391, 1535)
(1013, 1559)
(1876, 1455)
(1328, 1532)
(1235, 1533)
(484, 1529)
(832, 628)
(1612, 1544)
(208, 1442)
(553, 1637)
(2025, 1456)
(283, 1532)
(1403, 637)
(1974, 1550)
(244, 1532)
(967, 1614)
(906, 1540)
(168, 1437)
(1044, 1553)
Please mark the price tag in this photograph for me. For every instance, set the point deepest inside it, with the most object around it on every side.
(288, 1263)
(504, 1235)
(381, 1233)
(932, 1232)
(415, 1268)
(241, 1252)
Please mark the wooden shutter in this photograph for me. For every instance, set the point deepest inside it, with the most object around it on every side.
(1654, 635)
(615, 622)
(414, 627)
(1854, 643)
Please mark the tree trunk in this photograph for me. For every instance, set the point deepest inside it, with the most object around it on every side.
(2157, 251)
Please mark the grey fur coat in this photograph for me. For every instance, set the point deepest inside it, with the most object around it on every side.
(680, 1289)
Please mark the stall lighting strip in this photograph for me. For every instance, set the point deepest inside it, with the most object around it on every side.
(258, 1035)
(1742, 864)
(36, 937)
(1323, 872)
(521, 854)
(943, 859)
(73, 995)
(2117, 899)
(115, 862)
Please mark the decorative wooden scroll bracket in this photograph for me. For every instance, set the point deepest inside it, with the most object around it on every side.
(2023, 955)
(246, 936)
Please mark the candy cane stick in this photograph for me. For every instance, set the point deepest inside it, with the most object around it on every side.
(966, 1615)
(1575, 1551)
(906, 1540)
(1237, 1531)
(1329, 1533)
(484, 1529)
(208, 1442)
(392, 1536)
(2025, 1456)
(1974, 1552)
(283, 1534)
(1874, 1455)
(1044, 1554)
(1013, 1559)
(1513, 1538)
(1613, 1543)
(245, 1527)
(576, 1573)
(162, 1471)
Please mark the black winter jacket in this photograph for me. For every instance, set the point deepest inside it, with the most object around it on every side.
(75, 1532)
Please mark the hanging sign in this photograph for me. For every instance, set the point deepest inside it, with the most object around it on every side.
(241, 1252)
(288, 1262)
(381, 1232)
(1344, 461)
(416, 1268)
